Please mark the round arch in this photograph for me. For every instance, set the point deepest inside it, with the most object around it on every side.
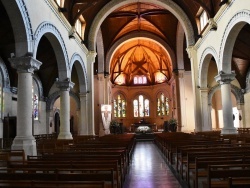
(52, 33)
(206, 56)
(146, 35)
(4, 74)
(81, 71)
(235, 90)
(52, 98)
(19, 17)
(230, 35)
(113, 5)
(100, 52)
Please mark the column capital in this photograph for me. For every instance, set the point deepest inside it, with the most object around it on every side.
(91, 56)
(65, 85)
(83, 94)
(190, 50)
(25, 64)
(224, 78)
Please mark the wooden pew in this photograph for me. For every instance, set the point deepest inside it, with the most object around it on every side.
(48, 174)
(72, 165)
(241, 182)
(52, 184)
(218, 175)
(184, 162)
(201, 165)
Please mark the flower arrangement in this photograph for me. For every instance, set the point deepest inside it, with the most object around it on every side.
(172, 121)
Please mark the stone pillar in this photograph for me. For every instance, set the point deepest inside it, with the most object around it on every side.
(24, 139)
(206, 111)
(192, 54)
(101, 99)
(90, 97)
(83, 130)
(182, 102)
(64, 86)
(224, 80)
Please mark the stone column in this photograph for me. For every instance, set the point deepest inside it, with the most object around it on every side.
(83, 130)
(24, 139)
(90, 97)
(224, 80)
(206, 111)
(182, 102)
(101, 99)
(64, 86)
(192, 54)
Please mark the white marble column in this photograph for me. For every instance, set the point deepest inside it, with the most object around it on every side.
(224, 80)
(64, 109)
(24, 139)
(83, 130)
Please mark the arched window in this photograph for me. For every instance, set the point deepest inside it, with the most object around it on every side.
(80, 26)
(119, 106)
(201, 19)
(162, 105)
(141, 107)
(35, 100)
(140, 79)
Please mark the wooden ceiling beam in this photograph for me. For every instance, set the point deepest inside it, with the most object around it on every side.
(205, 7)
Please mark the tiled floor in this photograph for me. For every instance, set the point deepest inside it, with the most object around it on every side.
(148, 169)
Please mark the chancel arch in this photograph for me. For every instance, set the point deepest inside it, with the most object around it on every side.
(111, 6)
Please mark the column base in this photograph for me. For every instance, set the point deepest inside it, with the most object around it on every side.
(65, 136)
(28, 144)
(229, 131)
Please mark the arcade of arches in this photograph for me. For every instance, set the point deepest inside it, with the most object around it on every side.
(151, 60)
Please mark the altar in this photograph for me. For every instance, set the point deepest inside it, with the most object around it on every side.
(144, 127)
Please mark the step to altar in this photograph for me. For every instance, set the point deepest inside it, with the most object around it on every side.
(144, 136)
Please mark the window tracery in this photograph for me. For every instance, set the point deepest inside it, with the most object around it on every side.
(162, 105)
(119, 104)
(141, 107)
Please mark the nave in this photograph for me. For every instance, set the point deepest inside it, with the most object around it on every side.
(148, 169)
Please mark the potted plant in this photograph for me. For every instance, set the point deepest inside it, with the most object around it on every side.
(114, 127)
(172, 124)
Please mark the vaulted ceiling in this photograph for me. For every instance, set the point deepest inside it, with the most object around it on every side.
(137, 17)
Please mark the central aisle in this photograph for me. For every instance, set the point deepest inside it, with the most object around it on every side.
(148, 169)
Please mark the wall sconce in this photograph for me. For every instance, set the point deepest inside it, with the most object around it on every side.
(214, 28)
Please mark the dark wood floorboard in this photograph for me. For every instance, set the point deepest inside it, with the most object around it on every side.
(148, 169)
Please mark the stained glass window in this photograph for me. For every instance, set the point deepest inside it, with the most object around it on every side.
(119, 106)
(141, 107)
(35, 101)
(162, 105)
(140, 79)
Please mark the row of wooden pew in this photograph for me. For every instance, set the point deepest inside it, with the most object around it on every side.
(207, 161)
(99, 162)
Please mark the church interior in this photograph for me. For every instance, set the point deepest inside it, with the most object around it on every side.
(101, 77)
